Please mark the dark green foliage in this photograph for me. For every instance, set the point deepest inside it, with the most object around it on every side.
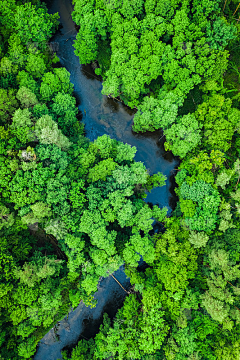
(8, 104)
(31, 23)
(84, 198)
(169, 60)
(204, 216)
(174, 46)
(183, 136)
(137, 330)
(72, 210)
(219, 33)
(83, 351)
(219, 121)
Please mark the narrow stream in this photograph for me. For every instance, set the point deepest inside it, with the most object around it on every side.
(83, 322)
(101, 115)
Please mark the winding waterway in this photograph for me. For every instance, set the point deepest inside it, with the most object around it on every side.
(101, 115)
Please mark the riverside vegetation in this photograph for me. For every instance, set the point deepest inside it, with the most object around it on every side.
(86, 198)
(178, 64)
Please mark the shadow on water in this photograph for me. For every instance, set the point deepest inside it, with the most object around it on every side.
(102, 115)
(84, 322)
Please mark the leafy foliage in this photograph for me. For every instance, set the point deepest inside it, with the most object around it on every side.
(82, 201)
(72, 211)
(207, 201)
(152, 54)
(134, 333)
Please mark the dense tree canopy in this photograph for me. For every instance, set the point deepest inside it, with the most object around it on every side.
(170, 60)
(85, 198)
(160, 50)
(72, 210)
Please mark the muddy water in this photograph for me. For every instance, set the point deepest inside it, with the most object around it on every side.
(101, 115)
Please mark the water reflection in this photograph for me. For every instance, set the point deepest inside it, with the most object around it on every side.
(84, 322)
(102, 115)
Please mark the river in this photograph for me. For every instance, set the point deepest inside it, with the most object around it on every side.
(101, 115)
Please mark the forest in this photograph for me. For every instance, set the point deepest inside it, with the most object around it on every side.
(72, 210)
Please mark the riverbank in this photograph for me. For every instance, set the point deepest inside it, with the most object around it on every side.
(101, 115)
